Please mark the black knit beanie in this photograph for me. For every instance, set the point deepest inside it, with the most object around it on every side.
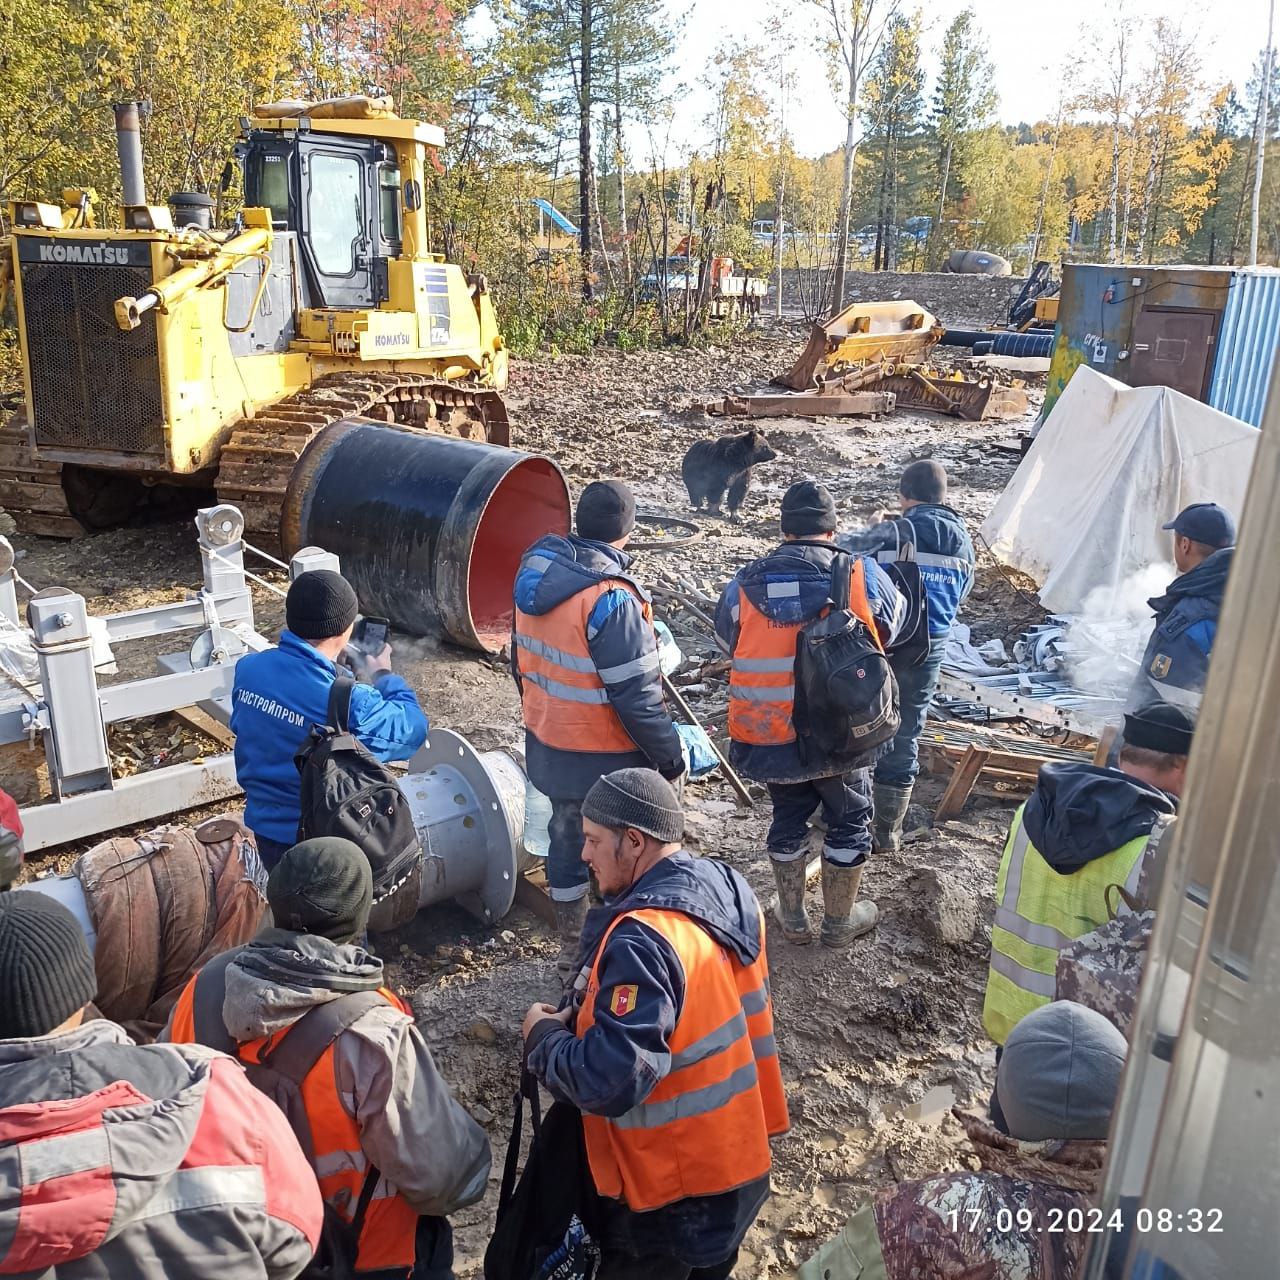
(322, 886)
(320, 604)
(808, 508)
(46, 971)
(1159, 726)
(606, 511)
(638, 798)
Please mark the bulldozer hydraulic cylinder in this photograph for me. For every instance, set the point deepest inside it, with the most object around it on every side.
(429, 528)
(165, 293)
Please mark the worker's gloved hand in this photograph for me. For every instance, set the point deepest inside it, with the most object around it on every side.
(672, 772)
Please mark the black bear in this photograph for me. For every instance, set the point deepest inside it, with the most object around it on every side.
(712, 466)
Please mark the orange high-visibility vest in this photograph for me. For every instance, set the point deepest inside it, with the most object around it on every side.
(390, 1224)
(563, 695)
(762, 690)
(705, 1127)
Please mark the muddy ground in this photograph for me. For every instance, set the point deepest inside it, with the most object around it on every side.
(877, 1042)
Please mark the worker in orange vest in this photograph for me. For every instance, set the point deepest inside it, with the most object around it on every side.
(666, 1045)
(305, 1008)
(585, 658)
(760, 616)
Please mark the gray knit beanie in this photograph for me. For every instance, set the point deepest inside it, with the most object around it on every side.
(638, 798)
(1059, 1073)
(46, 971)
(322, 886)
(808, 510)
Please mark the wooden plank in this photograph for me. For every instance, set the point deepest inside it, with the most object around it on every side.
(206, 724)
(1009, 761)
(962, 780)
(536, 899)
(815, 405)
(1105, 743)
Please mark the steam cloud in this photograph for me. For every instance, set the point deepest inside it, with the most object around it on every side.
(1106, 639)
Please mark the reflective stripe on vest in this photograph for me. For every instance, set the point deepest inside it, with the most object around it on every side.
(762, 690)
(705, 1126)
(1038, 912)
(333, 1145)
(564, 697)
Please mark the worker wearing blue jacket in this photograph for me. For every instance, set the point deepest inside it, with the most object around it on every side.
(933, 536)
(760, 616)
(1176, 661)
(666, 1045)
(282, 692)
(585, 658)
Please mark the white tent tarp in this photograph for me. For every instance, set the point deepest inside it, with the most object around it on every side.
(1110, 465)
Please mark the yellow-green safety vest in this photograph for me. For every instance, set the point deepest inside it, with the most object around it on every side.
(1038, 912)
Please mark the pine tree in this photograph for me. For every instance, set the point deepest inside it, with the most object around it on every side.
(894, 106)
(964, 102)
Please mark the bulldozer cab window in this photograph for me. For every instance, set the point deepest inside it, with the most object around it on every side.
(389, 208)
(268, 185)
(334, 212)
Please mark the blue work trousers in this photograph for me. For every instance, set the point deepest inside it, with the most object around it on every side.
(270, 851)
(845, 801)
(900, 764)
(566, 872)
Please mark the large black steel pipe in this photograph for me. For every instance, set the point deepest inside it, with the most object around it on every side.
(429, 528)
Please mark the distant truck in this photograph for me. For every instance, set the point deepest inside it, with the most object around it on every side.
(731, 296)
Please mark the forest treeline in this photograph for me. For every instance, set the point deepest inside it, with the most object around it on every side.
(1137, 157)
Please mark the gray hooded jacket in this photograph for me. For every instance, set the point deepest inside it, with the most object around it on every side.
(425, 1144)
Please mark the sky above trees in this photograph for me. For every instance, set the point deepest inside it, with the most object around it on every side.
(1031, 54)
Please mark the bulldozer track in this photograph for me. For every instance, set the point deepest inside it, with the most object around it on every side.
(257, 462)
(31, 491)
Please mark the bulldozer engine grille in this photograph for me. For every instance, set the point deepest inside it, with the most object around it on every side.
(93, 385)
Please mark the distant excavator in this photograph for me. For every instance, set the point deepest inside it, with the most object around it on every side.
(167, 351)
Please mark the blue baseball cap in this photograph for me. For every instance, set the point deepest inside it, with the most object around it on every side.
(1205, 522)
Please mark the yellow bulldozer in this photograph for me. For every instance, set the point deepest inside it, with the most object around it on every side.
(167, 351)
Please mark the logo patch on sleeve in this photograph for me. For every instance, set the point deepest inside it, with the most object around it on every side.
(1160, 665)
(623, 999)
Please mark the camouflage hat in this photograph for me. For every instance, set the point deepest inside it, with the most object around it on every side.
(1059, 1073)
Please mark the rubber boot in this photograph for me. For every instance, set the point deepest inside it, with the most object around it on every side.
(790, 913)
(843, 917)
(570, 917)
(891, 812)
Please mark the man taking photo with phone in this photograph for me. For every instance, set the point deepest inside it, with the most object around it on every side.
(280, 693)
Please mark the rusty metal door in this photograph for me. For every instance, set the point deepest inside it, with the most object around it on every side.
(1173, 349)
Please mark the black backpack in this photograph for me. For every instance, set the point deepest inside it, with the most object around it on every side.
(846, 700)
(279, 1075)
(347, 793)
(548, 1222)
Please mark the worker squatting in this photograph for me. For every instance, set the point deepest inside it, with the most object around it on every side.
(339, 1149)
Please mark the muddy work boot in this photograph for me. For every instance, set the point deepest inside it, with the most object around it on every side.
(891, 812)
(843, 917)
(789, 913)
(570, 917)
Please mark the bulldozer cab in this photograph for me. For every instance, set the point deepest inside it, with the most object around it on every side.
(342, 196)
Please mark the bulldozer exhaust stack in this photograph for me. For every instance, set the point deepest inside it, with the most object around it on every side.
(129, 146)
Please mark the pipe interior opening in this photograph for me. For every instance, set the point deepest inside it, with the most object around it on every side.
(529, 502)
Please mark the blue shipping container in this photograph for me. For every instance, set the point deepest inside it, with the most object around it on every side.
(1247, 345)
